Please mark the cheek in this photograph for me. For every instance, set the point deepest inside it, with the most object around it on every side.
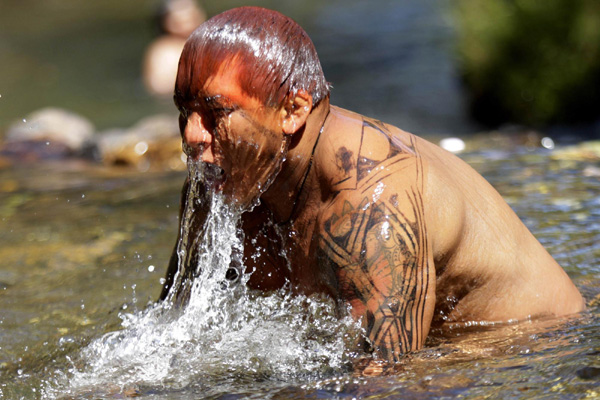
(238, 130)
(241, 139)
(223, 133)
(232, 136)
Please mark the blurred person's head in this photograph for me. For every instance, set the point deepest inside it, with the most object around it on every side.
(180, 17)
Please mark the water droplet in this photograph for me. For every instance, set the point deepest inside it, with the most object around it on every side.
(453, 145)
(141, 148)
(548, 143)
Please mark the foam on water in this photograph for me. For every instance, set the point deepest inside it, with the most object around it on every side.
(223, 333)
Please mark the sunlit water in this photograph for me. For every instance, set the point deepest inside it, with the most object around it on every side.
(83, 251)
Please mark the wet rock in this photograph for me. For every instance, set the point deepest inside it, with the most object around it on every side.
(589, 373)
(591, 171)
(509, 139)
(153, 143)
(32, 150)
(49, 133)
(8, 279)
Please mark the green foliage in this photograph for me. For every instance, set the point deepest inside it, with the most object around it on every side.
(530, 61)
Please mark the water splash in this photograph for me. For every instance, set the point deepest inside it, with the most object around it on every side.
(223, 333)
(209, 239)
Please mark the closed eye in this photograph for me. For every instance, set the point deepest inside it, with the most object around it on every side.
(220, 105)
(223, 110)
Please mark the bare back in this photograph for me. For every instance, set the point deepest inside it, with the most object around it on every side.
(489, 266)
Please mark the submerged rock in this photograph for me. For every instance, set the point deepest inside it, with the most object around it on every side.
(589, 373)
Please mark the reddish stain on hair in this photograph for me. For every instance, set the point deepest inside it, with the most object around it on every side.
(274, 55)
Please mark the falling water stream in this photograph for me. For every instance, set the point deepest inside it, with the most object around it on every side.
(221, 332)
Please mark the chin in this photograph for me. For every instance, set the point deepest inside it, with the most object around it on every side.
(238, 194)
(213, 176)
(241, 186)
(243, 201)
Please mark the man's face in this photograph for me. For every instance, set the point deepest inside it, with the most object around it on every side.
(224, 127)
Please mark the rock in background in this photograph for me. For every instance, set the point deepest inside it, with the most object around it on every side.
(154, 143)
(48, 133)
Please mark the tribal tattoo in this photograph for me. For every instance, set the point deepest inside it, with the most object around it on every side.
(376, 241)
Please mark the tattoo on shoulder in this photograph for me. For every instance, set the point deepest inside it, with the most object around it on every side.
(378, 248)
(358, 166)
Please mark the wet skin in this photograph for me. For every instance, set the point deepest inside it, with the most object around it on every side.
(234, 132)
(407, 234)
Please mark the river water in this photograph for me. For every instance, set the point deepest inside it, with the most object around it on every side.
(83, 250)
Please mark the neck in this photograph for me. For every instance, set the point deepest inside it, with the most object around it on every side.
(283, 195)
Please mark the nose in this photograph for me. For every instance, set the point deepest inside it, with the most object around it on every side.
(198, 138)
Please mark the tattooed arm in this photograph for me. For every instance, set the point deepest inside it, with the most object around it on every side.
(377, 244)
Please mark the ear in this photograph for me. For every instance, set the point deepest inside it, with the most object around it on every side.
(295, 111)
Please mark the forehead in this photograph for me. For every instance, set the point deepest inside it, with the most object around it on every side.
(224, 83)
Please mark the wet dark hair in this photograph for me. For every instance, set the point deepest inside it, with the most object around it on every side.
(274, 55)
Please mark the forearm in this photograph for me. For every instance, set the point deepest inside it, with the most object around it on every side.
(182, 268)
(394, 326)
(170, 276)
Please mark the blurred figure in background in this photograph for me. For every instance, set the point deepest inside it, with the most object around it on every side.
(177, 20)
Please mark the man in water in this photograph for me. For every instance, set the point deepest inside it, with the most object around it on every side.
(405, 233)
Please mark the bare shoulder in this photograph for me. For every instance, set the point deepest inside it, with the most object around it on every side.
(374, 236)
(379, 179)
(368, 153)
(483, 251)
(388, 180)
